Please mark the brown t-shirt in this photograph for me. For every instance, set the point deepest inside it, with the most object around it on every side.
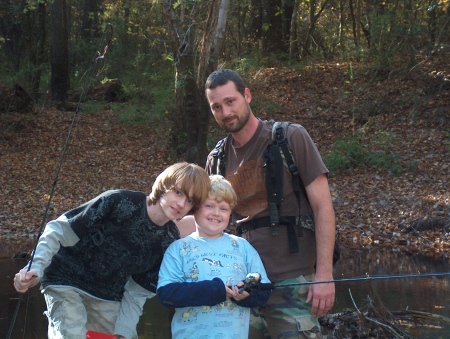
(245, 171)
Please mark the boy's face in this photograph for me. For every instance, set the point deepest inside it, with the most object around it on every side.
(212, 218)
(175, 204)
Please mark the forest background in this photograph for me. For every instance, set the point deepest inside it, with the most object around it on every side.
(98, 94)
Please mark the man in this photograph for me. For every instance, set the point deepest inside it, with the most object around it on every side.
(286, 314)
(99, 262)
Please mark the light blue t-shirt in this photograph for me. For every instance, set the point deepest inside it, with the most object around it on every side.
(195, 258)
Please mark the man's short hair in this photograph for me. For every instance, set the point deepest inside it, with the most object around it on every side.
(222, 76)
(185, 176)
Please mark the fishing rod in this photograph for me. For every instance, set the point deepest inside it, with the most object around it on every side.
(253, 280)
(108, 29)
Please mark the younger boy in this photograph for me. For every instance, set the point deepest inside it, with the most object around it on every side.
(200, 274)
(99, 262)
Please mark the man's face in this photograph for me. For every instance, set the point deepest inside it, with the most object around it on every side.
(230, 109)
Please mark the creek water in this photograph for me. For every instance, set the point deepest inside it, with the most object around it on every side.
(427, 294)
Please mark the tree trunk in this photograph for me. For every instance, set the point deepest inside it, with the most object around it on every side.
(256, 10)
(59, 51)
(293, 39)
(313, 17)
(183, 124)
(40, 50)
(354, 20)
(90, 23)
(341, 25)
(190, 129)
(288, 10)
(185, 129)
(271, 35)
(432, 21)
(12, 33)
(409, 19)
(211, 51)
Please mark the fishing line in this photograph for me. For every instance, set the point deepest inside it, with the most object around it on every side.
(108, 30)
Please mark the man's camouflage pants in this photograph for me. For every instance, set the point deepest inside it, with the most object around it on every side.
(286, 314)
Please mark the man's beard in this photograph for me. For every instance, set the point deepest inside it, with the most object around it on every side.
(238, 125)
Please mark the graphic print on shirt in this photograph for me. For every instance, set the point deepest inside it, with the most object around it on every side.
(124, 209)
(249, 183)
(201, 259)
(191, 314)
(235, 245)
(213, 264)
(226, 264)
(193, 272)
(187, 249)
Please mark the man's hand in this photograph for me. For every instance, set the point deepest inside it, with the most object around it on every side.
(322, 296)
(24, 280)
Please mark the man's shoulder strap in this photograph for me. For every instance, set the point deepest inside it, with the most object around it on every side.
(279, 137)
(279, 129)
(274, 186)
(218, 154)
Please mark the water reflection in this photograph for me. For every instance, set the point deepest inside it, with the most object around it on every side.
(420, 294)
(430, 294)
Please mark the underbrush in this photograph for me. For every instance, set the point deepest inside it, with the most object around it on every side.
(361, 150)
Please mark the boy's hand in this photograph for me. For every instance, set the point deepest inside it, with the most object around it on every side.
(233, 292)
(240, 295)
(24, 280)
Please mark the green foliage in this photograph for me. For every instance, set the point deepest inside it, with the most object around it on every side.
(133, 112)
(244, 65)
(383, 33)
(152, 97)
(348, 152)
(213, 138)
(94, 106)
(266, 107)
(6, 69)
(355, 151)
(257, 59)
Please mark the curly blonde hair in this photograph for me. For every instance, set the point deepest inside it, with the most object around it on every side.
(221, 190)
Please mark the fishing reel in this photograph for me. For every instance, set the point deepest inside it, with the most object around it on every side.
(250, 281)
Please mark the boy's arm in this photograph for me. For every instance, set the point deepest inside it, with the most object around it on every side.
(56, 233)
(255, 299)
(183, 294)
(131, 306)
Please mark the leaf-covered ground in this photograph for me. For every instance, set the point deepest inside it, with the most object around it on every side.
(410, 210)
